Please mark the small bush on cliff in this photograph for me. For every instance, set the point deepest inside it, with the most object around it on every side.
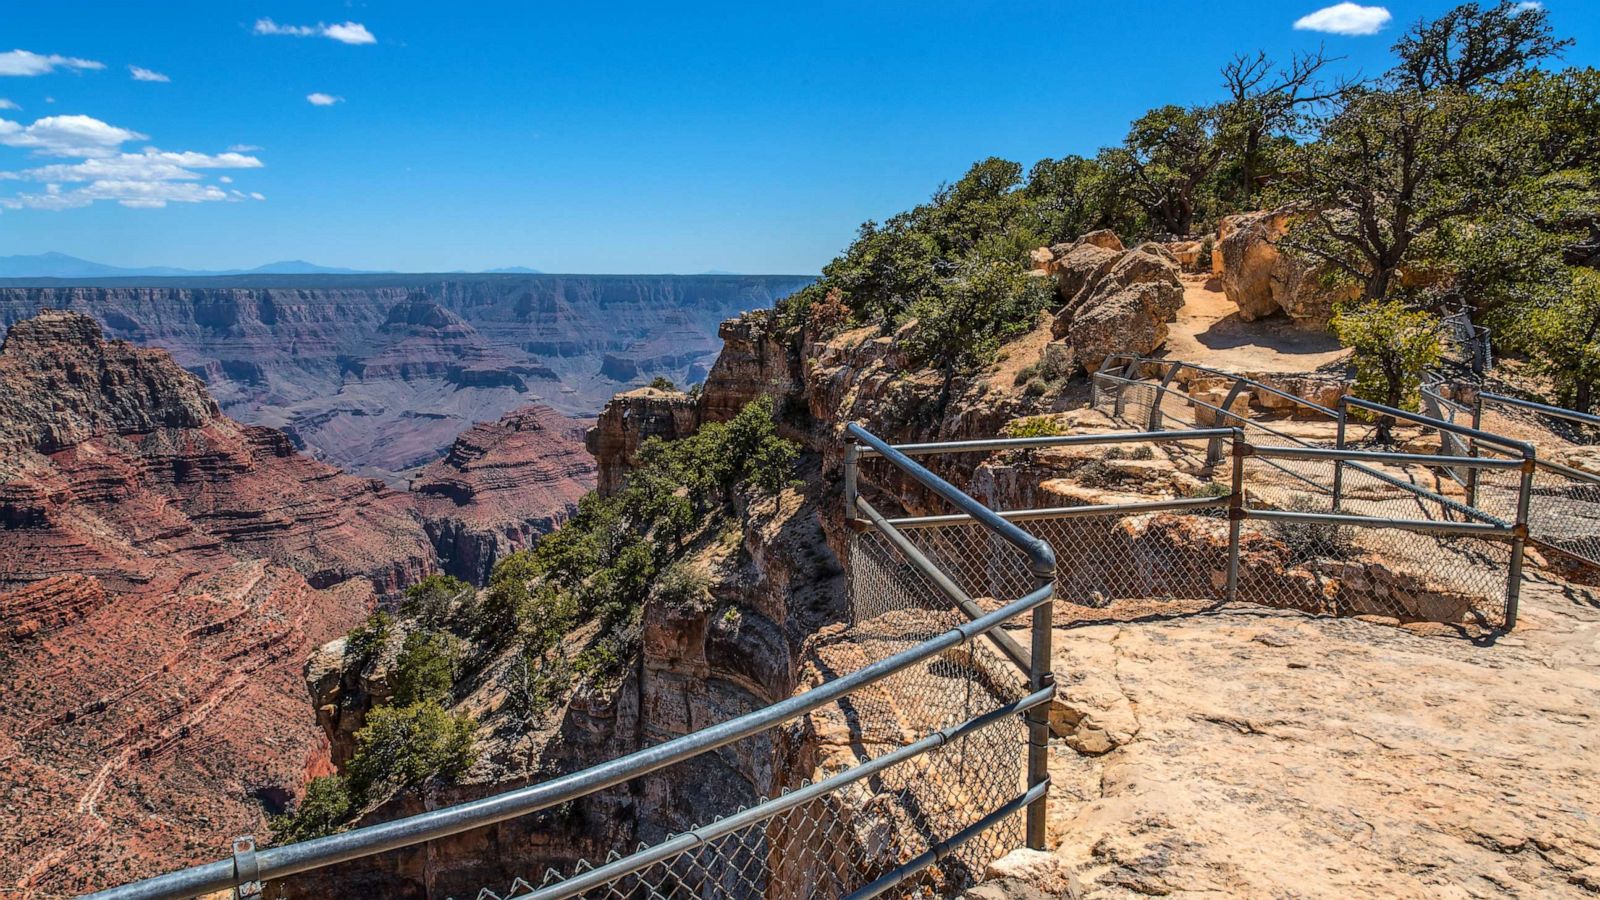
(532, 682)
(367, 640)
(663, 383)
(322, 810)
(430, 600)
(403, 746)
(425, 668)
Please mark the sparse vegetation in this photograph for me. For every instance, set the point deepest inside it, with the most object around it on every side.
(663, 383)
(1308, 541)
(430, 601)
(403, 746)
(325, 806)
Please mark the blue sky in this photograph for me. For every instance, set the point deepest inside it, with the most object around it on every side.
(575, 137)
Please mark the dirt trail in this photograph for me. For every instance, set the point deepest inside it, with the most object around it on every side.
(1209, 332)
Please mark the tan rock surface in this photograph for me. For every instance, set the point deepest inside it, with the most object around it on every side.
(1269, 755)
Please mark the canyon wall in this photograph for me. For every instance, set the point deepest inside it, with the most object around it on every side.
(379, 373)
(164, 571)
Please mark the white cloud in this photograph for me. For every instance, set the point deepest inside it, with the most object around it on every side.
(140, 73)
(243, 148)
(321, 99)
(7, 104)
(1345, 18)
(67, 136)
(151, 165)
(23, 63)
(1530, 4)
(148, 179)
(344, 33)
(226, 179)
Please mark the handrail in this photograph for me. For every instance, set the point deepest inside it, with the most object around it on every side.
(1425, 459)
(688, 840)
(1523, 447)
(1067, 512)
(950, 589)
(1570, 415)
(1033, 443)
(1041, 556)
(1278, 392)
(279, 862)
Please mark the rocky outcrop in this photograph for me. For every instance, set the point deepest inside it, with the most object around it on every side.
(1263, 280)
(630, 419)
(379, 373)
(502, 485)
(1115, 300)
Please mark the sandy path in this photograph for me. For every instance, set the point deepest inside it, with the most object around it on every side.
(1209, 332)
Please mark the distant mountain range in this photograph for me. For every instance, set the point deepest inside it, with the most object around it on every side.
(60, 265)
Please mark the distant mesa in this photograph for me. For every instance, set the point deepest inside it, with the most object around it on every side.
(60, 265)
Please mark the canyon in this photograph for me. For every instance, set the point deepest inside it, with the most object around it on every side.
(164, 573)
(378, 374)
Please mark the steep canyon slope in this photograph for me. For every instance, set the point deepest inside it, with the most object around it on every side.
(164, 573)
(378, 373)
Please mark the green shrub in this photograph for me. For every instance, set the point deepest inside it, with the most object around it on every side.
(1033, 426)
(425, 668)
(366, 641)
(663, 383)
(403, 746)
(429, 601)
(682, 586)
(320, 812)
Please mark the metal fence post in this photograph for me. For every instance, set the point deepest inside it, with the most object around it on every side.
(1338, 464)
(1042, 675)
(1236, 512)
(852, 465)
(1519, 541)
(1472, 446)
(1155, 421)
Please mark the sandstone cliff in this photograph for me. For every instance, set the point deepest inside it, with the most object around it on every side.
(501, 486)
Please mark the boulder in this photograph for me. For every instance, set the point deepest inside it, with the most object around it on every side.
(1132, 320)
(1114, 300)
(1105, 239)
(1209, 400)
(1187, 253)
(1261, 280)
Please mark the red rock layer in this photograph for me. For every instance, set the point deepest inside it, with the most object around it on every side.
(164, 572)
(501, 486)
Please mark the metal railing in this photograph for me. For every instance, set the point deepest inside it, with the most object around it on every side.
(1565, 501)
(1256, 541)
(947, 797)
(950, 711)
(1468, 340)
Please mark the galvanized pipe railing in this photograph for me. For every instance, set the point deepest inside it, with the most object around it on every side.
(1041, 563)
(291, 859)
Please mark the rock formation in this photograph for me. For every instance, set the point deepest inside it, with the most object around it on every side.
(163, 573)
(1116, 300)
(501, 486)
(1263, 280)
(379, 373)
